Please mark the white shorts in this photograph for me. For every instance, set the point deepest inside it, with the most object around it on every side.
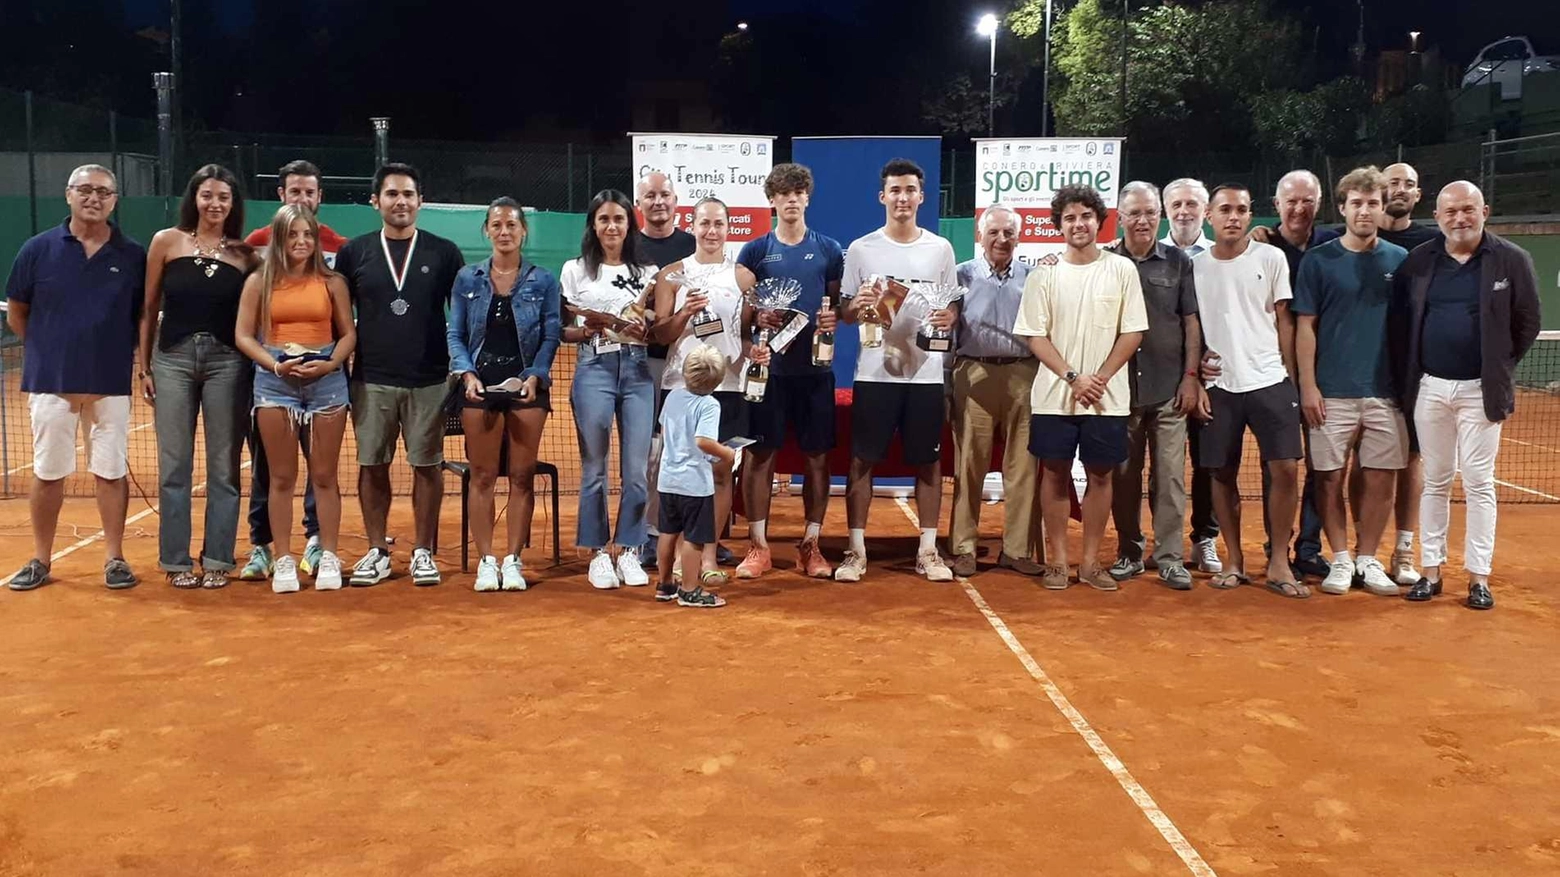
(1375, 425)
(55, 421)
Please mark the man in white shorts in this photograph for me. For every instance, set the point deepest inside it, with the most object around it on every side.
(74, 298)
(1342, 293)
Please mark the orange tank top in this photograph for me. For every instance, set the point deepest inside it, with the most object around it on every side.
(301, 313)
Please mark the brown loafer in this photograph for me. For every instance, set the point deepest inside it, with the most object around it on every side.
(1021, 565)
(1099, 580)
(1054, 578)
(963, 565)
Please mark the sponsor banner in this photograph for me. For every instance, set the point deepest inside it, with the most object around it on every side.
(731, 167)
(1024, 173)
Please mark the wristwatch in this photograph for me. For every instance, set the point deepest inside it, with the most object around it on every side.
(1070, 376)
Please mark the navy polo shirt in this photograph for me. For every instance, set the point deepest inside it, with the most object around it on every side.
(1450, 344)
(83, 313)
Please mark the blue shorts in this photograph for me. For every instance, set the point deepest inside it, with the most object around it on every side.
(303, 398)
(1097, 440)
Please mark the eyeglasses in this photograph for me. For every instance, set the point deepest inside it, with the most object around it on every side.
(87, 191)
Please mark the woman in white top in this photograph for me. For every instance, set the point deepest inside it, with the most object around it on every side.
(606, 287)
(718, 285)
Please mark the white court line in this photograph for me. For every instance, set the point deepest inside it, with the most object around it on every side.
(1531, 445)
(1139, 795)
(1549, 496)
(25, 467)
(72, 549)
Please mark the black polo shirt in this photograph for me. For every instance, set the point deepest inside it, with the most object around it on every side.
(1411, 237)
(83, 314)
(1294, 253)
(401, 339)
(1168, 294)
(1450, 345)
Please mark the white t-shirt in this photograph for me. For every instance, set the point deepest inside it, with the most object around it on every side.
(610, 291)
(1082, 309)
(719, 284)
(927, 259)
(1236, 302)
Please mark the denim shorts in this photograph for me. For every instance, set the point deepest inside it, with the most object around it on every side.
(303, 398)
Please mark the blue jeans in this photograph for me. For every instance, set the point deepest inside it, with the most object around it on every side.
(607, 386)
(199, 375)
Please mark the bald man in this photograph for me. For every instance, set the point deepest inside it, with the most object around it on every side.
(1466, 310)
(663, 243)
(1397, 222)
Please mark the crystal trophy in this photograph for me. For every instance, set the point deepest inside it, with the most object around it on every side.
(771, 294)
(705, 323)
(937, 297)
(592, 303)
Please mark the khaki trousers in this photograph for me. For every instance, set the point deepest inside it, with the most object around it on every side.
(989, 400)
(1161, 430)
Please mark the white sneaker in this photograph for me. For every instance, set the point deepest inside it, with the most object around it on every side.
(630, 570)
(1403, 571)
(284, 576)
(603, 575)
(1205, 556)
(1375, 577)
(1340, 574)
(327, 573)
(372, 569)
(424, 571)
(487, 574)
(513, 579)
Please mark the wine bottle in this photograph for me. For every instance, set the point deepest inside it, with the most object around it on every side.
(823, 342)
(757, 374)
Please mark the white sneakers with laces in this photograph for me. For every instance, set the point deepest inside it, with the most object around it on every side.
(1205, 556)
(487, 574)
(424, 571)
(513, 579)
(1340, 574)
(1375, 578)
(603, 573)
(327, 572)
(630, 570)
(284, 576)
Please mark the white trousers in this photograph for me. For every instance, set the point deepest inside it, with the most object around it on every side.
(1454, 435)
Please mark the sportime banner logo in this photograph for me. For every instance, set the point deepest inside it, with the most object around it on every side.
(1024, 174)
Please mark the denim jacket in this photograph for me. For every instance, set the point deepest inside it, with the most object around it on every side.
(536, 301)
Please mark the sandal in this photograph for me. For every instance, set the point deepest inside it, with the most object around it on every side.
(212, 579)
(713, 577)
(184, 580)
(1292, 590)
(1225, 581)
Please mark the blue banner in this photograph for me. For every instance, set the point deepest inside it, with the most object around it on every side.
(847, 177)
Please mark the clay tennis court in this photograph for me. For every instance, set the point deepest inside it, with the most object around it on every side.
(890, 727)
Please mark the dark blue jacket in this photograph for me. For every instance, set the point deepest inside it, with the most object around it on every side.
(536, 299)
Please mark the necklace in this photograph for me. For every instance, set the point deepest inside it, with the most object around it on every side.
(399, 306)
(214, 254)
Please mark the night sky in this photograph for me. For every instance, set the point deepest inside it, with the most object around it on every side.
(479, 70)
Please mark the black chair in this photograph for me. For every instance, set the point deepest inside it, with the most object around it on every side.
(452, 426)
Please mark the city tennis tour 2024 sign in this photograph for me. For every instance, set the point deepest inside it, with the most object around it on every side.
(1024, 174)
(731, 167)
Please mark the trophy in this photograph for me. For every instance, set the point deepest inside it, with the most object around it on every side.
(937, 296)
(604, 306)
(771, 294)
(705, 323)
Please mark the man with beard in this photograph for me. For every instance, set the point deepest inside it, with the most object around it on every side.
(1397, 222)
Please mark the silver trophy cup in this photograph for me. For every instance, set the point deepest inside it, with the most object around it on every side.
(937, 296)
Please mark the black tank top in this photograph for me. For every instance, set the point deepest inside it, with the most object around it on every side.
(195, 301)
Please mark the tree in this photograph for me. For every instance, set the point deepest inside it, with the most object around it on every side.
(959, 107)
(1194, 72)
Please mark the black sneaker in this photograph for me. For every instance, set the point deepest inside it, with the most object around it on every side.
(666, 592)
(647, 552)
(699, 598)
(33, 575)
(723, 556)
(117, 575)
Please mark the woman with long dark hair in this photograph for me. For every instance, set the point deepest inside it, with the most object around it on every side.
(194, 277)
(503, 333)
(295, 322)
(605, 290)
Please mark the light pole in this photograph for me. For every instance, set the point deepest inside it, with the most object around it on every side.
(987, 27)
(1045, 78)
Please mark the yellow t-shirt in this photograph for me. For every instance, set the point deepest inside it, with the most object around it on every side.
(1082, 309)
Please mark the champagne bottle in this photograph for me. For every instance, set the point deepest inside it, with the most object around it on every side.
(823, 342)
(757, 374)
(871, 329)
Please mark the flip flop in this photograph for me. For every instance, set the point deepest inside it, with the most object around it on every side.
(1292, 590)
(1225, 581)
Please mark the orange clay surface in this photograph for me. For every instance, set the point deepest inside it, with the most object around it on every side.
(806, 728)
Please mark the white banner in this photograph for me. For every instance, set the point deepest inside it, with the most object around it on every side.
(1024, 173)
(731, 167)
